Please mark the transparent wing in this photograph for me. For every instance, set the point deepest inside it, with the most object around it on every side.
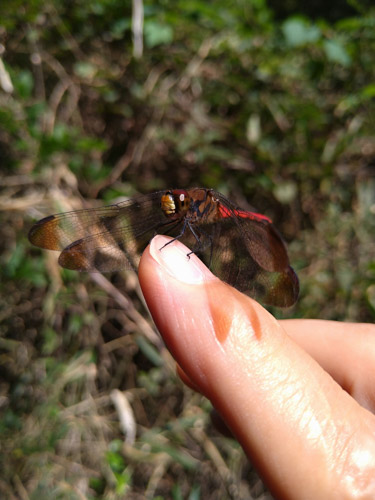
(242, 248)
(103, 239)
(245, 250)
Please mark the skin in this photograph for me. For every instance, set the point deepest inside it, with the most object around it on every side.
(297, 394)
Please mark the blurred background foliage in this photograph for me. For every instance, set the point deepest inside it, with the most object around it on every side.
(102, 99)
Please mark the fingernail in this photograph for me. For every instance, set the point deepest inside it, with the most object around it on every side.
(173, 256)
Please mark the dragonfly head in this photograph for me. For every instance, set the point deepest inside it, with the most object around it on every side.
(175, 204)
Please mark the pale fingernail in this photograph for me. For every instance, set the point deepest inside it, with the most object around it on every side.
(173, 256)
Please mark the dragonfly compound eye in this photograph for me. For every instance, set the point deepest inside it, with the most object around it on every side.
(167, 204)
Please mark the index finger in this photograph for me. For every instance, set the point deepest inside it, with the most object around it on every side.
(300, 429)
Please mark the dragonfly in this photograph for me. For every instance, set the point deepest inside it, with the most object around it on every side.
(241, 247)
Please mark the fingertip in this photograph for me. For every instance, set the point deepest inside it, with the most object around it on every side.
(178, 261)
(172, 281)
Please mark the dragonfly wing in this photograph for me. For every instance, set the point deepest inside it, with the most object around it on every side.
(102, 252)
(281, 289)
(242, 248)
(56, 232)
(103, 239)
(263, 241)
(229, 254)
(256, 269)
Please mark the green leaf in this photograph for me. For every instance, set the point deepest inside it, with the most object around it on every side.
(195, 493)
(336, 52)
(369, 91)
(123, 480)
(51, 340)
(157, 34)
(115, 461)
(120, 27)
(85, 70)
(23, 82)
(298, 32)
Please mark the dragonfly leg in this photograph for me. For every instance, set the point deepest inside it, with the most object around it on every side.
(198, 237)
(194, 232)
(201, 246)
(179, 235)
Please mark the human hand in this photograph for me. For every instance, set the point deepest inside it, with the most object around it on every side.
(278, 385)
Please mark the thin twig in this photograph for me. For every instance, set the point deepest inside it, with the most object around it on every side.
(126, 304)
